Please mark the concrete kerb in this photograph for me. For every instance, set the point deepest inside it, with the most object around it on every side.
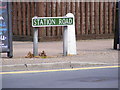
(49, 66)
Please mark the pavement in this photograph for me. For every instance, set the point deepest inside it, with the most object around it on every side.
(89, 53)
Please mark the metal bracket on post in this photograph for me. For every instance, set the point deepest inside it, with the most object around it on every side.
(69, 39)
(35, 42)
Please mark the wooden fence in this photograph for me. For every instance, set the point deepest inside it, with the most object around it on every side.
(93, 19)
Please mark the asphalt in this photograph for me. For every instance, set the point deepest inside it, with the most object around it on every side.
(92, 78)
(89, 53)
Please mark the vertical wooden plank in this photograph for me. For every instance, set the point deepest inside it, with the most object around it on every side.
(67, 7)
(57, 14)
(72, 7)
(21, 3)
(101, 18)
(114, 15)
(19, 19)
(96, 20)
(32, 4)
(32, 15)
(106, 17)
(76, 17)
(24, 18)
(86, 17)
(40, 10)
(14, 18)
(98, 11)
(52, 15)
(62, 14)
(79, 18)
(82, 22)
(28, 18)
(110, 18)
(48, 15)
(91, 17)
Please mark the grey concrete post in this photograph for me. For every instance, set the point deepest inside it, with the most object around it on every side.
(35, 42)
(65, 41)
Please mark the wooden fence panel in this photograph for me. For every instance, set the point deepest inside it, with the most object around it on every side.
(28, 19)
(62, 14)
(76, 18)
(40, 13)
(53, 15)
(114, 15)
(67, 7)
(86, 17)
(82, 11)
(57, 14)
(101, 17)
(48, 15)
(106, 18)
(19, 19)
(15, 31)
(91, 18)
(110, 18)
(24, 18)
(32, 4)
(96, 19)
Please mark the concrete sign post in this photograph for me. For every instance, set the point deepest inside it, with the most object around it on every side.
(35, 43)
(69, 39)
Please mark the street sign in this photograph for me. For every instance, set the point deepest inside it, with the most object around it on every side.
(51, 21)
(5, 28)
(69, 39)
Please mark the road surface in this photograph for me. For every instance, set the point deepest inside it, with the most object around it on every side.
(88, 78)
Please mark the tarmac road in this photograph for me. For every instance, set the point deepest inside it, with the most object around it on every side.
(83, 78)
